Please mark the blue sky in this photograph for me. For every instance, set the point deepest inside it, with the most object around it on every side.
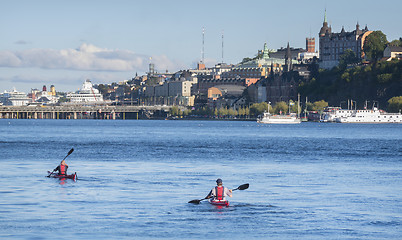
(65, 42)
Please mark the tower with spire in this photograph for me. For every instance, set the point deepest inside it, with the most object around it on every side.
(325, 29)
(288, 59)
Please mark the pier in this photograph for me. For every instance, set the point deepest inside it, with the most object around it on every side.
(84, 112)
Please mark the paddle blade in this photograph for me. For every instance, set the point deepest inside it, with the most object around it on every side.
(195, 201)
(71, 151)
(243, 187)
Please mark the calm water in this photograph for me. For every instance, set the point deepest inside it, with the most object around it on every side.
(307, 181)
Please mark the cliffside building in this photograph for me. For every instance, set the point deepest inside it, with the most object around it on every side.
(333, 45)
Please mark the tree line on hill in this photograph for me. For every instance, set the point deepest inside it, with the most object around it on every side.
(252, 111)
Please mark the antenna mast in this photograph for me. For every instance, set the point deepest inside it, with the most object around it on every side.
(222, 46)
(202, 53)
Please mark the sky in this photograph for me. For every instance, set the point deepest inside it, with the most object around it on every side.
(63, 43)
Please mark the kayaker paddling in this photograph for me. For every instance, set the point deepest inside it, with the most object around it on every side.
(62, 168)
(219, 193)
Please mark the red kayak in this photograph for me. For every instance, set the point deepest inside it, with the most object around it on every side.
(55, 175)
(219, 202)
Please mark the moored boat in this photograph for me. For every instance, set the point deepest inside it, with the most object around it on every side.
(219, 202)
(370, 116)
(70, 176)
(291, 118)
(278, 119)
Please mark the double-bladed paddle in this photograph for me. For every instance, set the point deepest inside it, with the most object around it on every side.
(69, 152)
(241, 187)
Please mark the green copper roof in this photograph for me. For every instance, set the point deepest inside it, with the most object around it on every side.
(265, 55)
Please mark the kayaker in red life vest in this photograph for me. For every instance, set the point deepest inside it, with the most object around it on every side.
(219, 192)
(62, 168)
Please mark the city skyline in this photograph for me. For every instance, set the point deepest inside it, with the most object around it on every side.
(63, 43)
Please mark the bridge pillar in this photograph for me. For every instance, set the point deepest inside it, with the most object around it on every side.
(113, 115)
(75, 115)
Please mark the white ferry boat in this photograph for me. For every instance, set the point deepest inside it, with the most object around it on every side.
(278, 119)
(370, 116)
(290, 118)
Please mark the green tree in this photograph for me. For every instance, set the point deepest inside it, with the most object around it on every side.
(187, 112)
(320, 105)
(374, 45)
(103, 89)
(310, 106)
(222, 112)
(242, 112)
(258, 108)
(396, 42)
(216, 114)
(384, 78)
(232, 112)
(395, 104)
(247, 111)
(347, 57)
(281, 107)
(174, 111)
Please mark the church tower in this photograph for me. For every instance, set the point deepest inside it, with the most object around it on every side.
(288, 59)
(324, 29)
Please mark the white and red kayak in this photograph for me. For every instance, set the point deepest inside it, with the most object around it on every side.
(55, 175)
(224, 203)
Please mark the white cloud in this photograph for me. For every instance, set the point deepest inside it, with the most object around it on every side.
(86, 58)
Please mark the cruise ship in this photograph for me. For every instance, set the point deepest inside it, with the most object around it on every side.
(14, 98)
(87, 94)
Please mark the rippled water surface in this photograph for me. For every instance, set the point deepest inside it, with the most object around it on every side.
(135, 178)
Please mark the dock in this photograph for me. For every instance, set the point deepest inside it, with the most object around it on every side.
(84, 112)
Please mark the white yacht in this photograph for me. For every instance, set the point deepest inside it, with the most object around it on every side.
(278, 119)
(87, 94)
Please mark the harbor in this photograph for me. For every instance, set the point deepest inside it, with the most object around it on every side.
(83, 112)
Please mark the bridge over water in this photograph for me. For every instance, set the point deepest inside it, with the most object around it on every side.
(84, 112)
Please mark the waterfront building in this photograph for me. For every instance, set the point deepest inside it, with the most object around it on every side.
(87, 94)
(333, 45)
(224, 95)
(170, 93)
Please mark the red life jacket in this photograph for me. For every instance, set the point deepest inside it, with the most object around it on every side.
(63, 169)
(219, 191)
